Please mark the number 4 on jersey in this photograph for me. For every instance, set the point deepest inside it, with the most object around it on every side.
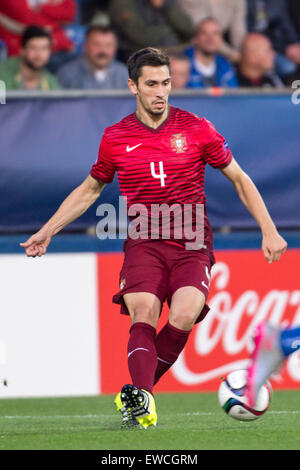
(161, 175)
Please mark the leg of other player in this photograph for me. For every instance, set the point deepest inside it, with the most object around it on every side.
(186, 304)
(271, 347)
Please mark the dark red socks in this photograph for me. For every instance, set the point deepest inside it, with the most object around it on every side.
(142, 356)
(169, 343)
(150, 356)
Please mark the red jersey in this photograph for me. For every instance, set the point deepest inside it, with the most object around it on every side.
(163, 165)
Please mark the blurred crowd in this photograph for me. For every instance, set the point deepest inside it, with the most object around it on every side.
(84, 44)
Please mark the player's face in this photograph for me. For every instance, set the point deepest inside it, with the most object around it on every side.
(209, 37)
(100, 49)
(36, 53)
(153, 89)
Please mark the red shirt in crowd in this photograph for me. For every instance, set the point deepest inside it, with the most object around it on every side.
(16, 15)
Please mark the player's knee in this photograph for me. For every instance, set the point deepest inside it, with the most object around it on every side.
(144, 314)
(184, 320)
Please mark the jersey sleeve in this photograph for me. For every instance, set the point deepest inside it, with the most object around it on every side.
(104, 168)
(216, 150)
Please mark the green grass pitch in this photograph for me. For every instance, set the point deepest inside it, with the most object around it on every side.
(192, 421)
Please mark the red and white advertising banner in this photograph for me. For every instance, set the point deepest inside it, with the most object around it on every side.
(244, 290)
(60, 333)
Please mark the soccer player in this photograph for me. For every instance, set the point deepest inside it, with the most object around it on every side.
(271, 347)
(159, 153)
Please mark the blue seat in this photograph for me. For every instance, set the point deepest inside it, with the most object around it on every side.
(76, 33)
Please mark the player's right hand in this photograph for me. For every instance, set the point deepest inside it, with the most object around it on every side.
(37, 244)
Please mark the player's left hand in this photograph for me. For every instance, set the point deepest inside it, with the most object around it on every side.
(273, 246)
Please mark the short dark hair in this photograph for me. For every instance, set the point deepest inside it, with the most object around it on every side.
(95, 28)
(148, 56)
(34, 31)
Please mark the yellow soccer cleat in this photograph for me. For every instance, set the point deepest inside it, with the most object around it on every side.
(118, 401)
(137, 407)
(128, 419)
(150, 419)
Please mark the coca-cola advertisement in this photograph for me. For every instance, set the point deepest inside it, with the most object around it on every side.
(244, 290)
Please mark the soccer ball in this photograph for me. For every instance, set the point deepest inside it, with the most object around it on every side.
(232, 397)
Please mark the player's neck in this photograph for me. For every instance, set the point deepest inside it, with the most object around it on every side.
(150, 120)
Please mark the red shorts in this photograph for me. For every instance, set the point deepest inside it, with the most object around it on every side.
(160, 268)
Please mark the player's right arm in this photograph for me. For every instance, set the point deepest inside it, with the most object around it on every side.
(78, 201)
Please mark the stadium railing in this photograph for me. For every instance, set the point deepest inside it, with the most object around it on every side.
(215, 92)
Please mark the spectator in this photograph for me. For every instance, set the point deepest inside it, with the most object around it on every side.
(97, 68)
(95, 12)
(231, 15)
(208, 68)
(143, 23)
(16, 15)
(294, 10)
(256, 68)
(271, 18)
(27, 72)
(180, 71)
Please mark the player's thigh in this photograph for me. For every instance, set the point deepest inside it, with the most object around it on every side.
(143, 307)
(186, 304)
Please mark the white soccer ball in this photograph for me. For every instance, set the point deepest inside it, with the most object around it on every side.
(232, 397)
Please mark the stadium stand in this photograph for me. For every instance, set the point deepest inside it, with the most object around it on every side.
(208, 67)
(257, 65)
(231, 15)
(97, 66)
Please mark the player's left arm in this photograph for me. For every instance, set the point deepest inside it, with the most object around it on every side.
(273, 245)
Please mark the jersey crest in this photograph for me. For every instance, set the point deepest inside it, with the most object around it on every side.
(178, 142)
